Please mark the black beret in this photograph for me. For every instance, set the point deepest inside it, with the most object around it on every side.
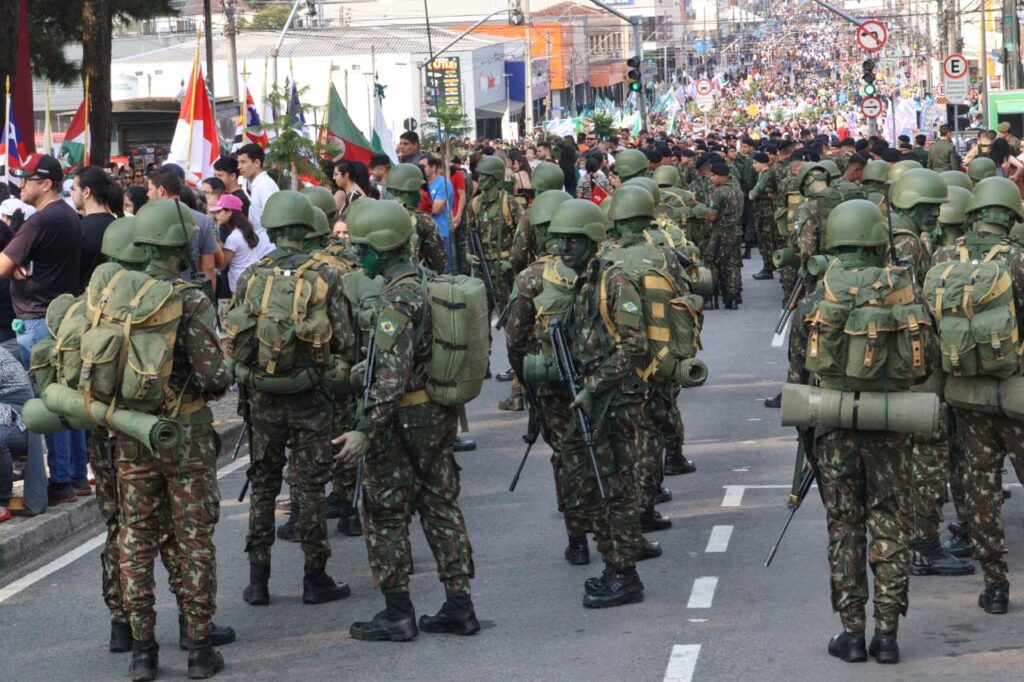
(761, 157)
(689, 153)
(786, 144)
(719, 169)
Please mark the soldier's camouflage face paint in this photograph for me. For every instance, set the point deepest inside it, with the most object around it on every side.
(372, 261)
(576, 251)
(927, 216)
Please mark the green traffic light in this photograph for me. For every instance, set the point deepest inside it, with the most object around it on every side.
(634, 86)
(870, 90)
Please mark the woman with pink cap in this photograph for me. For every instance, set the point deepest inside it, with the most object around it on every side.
(244, 244)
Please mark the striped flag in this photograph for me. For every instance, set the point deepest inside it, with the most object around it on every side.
(13, 149)
(248, 126)
(74, 150)
(195, 145)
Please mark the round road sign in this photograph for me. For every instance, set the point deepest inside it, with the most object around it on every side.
(872, 35)
(703, 87)
(955, 66)
(409, 124)
(871, 107)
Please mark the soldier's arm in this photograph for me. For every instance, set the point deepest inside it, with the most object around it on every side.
(797, 372)
(519, 339)
(394, 338)
(521, 244)
(209, 371)
(625, 309)
(339, 310)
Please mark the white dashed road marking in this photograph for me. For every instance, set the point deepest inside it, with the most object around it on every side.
(703, 593)
(719, 540)
(682, 663)
(734, 493)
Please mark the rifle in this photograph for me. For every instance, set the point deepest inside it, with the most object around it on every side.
(532, 431)
(478, 250)
(804, 474)
(785, 317)
(371, 361)
(569, 376)
(109, 444)
(243, 400)
(503, 318)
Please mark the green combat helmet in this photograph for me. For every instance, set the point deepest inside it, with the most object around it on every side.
(856, 233)
(667, 176)
(322, 198)
(631, 201)
(901, 167)
(876, 172)
(630, 163)
(321, 228)
(164, 222)
(405, 177)
(994, 192)
(382, 225)
(981, 168)
(287, 208)
(952, 216)
(833, 169)
(648, 184)
(544, 206)
(917, 186)
(493, 166)
(811, 172)
(578, 216)
(546, 177)
(118, 243)
(954, 178)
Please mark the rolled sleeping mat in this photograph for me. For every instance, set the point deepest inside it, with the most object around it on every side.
(38, 419)
(814, 407)
(785, 257)
(537, 369)
(691, 373)
(704, 284)
(987, 394)
(153, 432)
(297, 382)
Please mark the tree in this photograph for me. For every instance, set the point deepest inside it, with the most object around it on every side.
(268, 18)
(290, 151)
(446, 122)
(604, 125)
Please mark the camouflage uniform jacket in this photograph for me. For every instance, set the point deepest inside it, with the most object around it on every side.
(808, 230)
(910, 250)
(427, 245)
(842, 160)
(199, 367)
(403, 337)
(727, 206)
(777, 181)
(688, 176)
(526, 246)
(496, 219)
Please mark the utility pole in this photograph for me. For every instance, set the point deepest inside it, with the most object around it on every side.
(1011, 45)
(208, 27)
(638, 51)
(983, 69)
(528, 34)
(231, 31)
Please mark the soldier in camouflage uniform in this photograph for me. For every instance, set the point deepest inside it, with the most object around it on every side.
(875, 178)
(777, 187)
(608, 349)
(687, 169)
(405, 441)
(527, 245)
(494, 216)
(865, 474)
(404, 182)
(179, 486)
(764, 219)
(299, 420)
(914, 199)
(987, 439)
(723, 251)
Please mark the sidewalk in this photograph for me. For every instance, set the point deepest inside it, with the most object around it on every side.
(24, 538)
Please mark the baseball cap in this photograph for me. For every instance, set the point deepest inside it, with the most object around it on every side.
(41, 166)
(10, 206)
(227, 202)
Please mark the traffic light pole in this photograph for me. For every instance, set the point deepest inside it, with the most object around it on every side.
(638, 44)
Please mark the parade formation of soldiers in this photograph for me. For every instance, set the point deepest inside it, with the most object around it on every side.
(902, 286)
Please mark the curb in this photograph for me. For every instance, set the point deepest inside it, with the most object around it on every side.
(30, 538)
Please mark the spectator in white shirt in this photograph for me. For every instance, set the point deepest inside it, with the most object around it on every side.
(245, 244)
(261, 185)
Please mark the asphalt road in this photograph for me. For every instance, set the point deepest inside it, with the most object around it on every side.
(711, 611)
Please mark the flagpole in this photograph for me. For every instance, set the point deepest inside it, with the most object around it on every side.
(323, 124)
(245, 101)
(47, 137)
(7, 130)
(88, 133)
(191, 108)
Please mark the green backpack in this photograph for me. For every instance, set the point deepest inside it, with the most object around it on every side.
(278, 328)
(461, 327)
(972, 301)
(127, 349)
(362, 293)
(673, 317)
(58, 356)
(866, 333)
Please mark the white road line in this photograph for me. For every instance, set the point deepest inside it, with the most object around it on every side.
(734, 493)
(719, 540)
(682, 663)
(703, 593)
(86, 547)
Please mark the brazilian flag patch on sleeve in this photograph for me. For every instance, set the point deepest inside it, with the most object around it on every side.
(389, 326)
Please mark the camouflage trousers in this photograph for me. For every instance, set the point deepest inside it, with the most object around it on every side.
(661, 434)
(930, 473)
(302, 422)
(169, 492)
(866, 480)
(110, 557)
(555, 420)
(503, 279)
(957, 472)
(987, 439)
(767, 234)
(414, 471)
(723, 257)
(343, 479)
(614, 520)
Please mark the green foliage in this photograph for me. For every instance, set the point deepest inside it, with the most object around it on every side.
(267, 18)
(443, 123)
(604, 125)
(290, 151)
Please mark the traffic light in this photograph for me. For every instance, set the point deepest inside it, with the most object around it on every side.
(633, 75)
(869, 89)
(515, 13)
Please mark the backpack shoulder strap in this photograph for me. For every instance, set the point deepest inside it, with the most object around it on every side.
(602, 306)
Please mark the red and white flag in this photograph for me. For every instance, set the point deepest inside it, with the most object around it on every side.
(249, 123)
(195, 145)
(598, 195)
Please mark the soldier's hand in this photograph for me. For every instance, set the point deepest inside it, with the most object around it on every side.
(585, 400)
(355, 375)
(354, 445)
(472, 259)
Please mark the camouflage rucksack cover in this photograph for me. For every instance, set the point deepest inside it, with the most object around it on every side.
(461, 328)
(865, 332)
(279, 328)
(972, 301)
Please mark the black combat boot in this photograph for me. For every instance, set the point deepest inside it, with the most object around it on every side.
(663, 495)
(884, 647)
(203, 660)
(746, 251)
(619, 587)
(676, 464)
(120, 638)
(739, 297)
(577, 552)
(652, 520)
(732, 302)
(592, 585)
(145, 660)
(291, 530)
(848, 646)
(397, 622)
(335, 505)
(219, 634)
(350, 524)
(958, 546)
(461, 444)
(764, 274)
(649, 550)
(456, 617)
(775, 402)
(258, 592)
(995, 599)
(931, 559)
(320, 588)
